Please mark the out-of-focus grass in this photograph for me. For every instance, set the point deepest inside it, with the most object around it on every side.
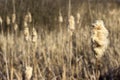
(51, 60)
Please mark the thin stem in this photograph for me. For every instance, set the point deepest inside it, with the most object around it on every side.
(7, 72)
(13, 1)
(69, 8)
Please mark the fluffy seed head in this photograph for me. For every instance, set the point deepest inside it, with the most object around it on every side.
(1, 21)
(71, 25)
(15, 27)
(99, 29)
(28, 72)
(60, 18)
(99, 25)
(29, 17)
(8, 20)
(13, 18)
(26, 33)
(25, 24)
(99, 52)
(26, 18)
(34, 35)
(78, 18)
(99, 38)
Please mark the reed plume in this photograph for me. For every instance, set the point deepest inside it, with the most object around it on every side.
(99, 38)
(71, 25)
(1, 21)
(8, 20)
(13, 18)
(60, 17)
(26, 34)
(29, 17)
(28, 73)
(78, 18)
(34, 35)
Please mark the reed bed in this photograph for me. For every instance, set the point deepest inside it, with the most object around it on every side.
(60, 55)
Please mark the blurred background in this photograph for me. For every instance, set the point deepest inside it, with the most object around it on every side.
(45, 12)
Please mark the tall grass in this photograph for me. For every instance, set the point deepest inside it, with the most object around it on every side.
(54, 58)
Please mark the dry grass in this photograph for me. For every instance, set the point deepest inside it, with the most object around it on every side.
(58, 56)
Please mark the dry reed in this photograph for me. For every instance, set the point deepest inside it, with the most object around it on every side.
(15, 27)
(99, 38)
(26, 34)
(60, 17)
(71, 25)
(13, 18)
(53, 50)
(28, 73)
(29, 17)
(8, 20)
(1, 21)
(78, 18)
